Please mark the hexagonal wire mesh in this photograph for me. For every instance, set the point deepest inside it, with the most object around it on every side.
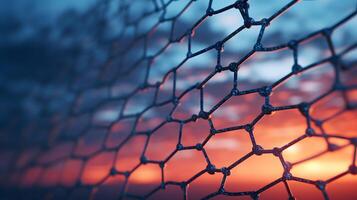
(147, 108)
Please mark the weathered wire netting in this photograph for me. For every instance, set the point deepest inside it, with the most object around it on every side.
(144, 90)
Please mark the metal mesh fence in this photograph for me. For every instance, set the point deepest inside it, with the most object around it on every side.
(129, 84)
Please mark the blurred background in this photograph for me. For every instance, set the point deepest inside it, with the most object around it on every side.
(99, 99)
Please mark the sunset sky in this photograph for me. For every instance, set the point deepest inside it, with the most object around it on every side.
(150, 116)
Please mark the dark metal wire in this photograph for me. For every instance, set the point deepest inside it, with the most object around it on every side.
(96, 16)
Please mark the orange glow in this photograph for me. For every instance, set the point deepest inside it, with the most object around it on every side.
(146, 174)
(129, 156)
(223, 150)
(326, 166)
(252, 174)
(97, 168)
